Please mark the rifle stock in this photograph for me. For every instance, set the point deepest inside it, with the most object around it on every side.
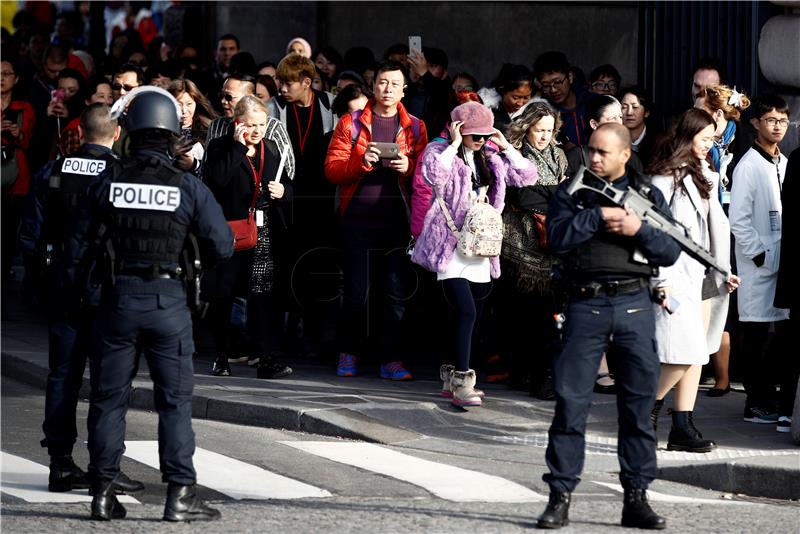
(647, 212)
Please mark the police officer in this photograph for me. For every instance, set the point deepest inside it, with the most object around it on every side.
(46, 232)
(609, 257)
(142, 212)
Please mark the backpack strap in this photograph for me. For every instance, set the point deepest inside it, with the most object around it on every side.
(447, 216)
(356, 128)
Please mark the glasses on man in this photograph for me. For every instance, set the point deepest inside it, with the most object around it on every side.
(478, 137)
(604, 86)
(121, 86)
(458, 88)
(7, 74)
(227, 97)
(551, 85)
(773, 122)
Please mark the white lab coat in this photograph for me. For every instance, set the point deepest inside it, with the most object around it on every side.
(755, 218)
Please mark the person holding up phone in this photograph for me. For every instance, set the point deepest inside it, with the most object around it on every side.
(684, 337)
(374, 200)
(238, 168)
(18, 119)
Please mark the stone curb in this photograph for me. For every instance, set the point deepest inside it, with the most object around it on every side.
(334, 422)
(737, 476)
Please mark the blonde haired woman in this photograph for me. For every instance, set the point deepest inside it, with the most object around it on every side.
(725, 106)
(238, 168)
(528, 263)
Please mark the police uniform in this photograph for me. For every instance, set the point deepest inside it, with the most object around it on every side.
(47, 232)
(144, 209)
(609, 307)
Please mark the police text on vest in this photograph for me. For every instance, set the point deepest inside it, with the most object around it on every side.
(144, 196)
(89, 167)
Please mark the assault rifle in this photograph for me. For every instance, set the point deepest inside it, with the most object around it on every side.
(648, 212)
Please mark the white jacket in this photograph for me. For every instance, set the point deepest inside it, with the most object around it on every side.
(755, 216)
(681, 338)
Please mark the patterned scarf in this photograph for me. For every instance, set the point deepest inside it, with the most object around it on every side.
(550, 162)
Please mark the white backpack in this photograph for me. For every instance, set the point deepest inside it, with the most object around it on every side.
(482, 232)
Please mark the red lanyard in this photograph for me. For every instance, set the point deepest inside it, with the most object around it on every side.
(257, 176)
(302, 137)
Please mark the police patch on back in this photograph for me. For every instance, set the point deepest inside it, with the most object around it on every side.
(89, 167)
(144, 196)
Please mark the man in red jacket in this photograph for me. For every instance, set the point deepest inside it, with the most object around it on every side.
(374, 195)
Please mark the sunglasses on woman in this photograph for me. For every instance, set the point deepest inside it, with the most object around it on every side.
(478, 137)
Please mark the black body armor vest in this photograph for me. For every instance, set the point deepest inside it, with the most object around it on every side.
(143, 236)
(607, 254)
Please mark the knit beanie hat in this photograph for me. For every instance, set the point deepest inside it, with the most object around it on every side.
(477, 118)
(303, 42)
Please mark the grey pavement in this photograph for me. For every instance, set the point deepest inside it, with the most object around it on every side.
(751, 459)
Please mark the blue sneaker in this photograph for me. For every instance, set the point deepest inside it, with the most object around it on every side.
(347, 365)
(395, 371)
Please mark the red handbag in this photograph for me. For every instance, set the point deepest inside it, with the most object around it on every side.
(245, 231)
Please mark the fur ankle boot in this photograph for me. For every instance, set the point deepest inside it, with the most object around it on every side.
(462, 384)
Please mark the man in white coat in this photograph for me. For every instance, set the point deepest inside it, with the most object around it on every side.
(755, 216)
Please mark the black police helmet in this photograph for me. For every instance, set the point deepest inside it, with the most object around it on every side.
(153, 110)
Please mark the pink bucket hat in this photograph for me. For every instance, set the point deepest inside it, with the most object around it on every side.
(477, 118)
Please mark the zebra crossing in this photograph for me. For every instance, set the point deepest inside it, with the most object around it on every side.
(238, 480)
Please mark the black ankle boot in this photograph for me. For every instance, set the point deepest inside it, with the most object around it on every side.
(184, 505)
(556, 515)
(654, 415)
(65, 475)
(105, 505)
(636, 511)
(683, 436)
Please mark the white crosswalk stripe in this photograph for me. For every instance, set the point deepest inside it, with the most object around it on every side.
(27, 480)
(663, 497)
(444, 481)
(234, 478)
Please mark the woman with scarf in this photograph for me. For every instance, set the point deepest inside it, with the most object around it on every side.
(461, 172)
(686, 335)
(725, 106)
(526, 260)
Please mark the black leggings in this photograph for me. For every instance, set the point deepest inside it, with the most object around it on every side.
(465, 300)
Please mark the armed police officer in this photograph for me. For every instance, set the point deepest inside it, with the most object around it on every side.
(47, 231)
(609, 256)
(143, 210)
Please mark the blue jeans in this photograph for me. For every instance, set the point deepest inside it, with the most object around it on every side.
(625, 323)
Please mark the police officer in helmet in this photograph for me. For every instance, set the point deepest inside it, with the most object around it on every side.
(142, 212)
(46, 232)
(609, 256)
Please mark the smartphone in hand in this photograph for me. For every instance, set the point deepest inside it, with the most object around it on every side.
(388, 150)
(414, 44)
(57, 96)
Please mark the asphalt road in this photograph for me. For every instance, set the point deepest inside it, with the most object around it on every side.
(271, 480)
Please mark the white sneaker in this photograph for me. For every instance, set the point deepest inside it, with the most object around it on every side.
(462, 384)
(784, 424)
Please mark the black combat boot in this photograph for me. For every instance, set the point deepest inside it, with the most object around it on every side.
(683, 436)
(183, 504)
(556, 515)
(636, 511)
(122, 484)
(654, 415)
(105, 505)
(65, 475)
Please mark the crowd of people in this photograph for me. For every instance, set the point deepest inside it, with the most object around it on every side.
(348, 181)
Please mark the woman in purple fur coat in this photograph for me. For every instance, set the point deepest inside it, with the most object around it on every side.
(457, 171)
